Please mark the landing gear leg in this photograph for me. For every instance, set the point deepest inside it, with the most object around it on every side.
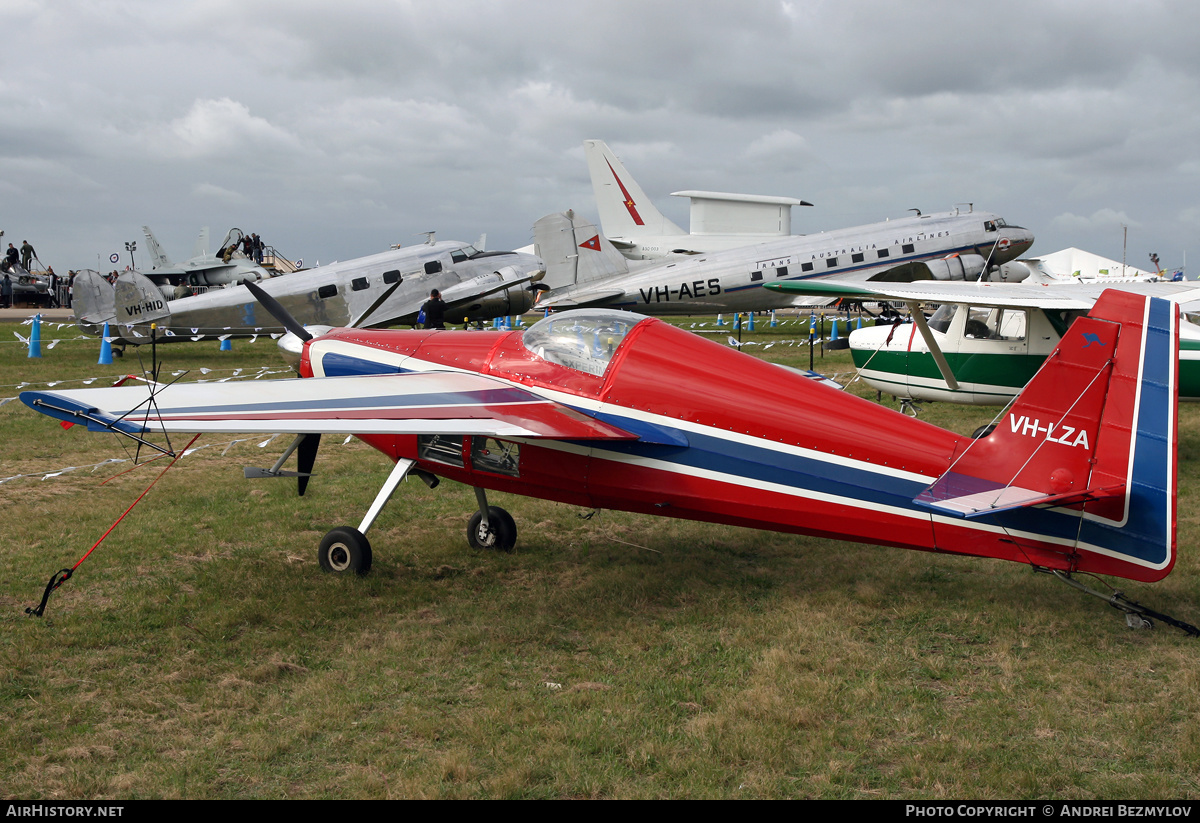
(347, 550)
(491, 527)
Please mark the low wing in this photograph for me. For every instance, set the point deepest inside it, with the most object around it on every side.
(385, 313)
(419, 403)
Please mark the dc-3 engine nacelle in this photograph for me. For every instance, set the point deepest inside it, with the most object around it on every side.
(504, 303)
(959, 267)
(1013, 271)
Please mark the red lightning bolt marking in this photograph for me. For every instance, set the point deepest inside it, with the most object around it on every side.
(629, 204)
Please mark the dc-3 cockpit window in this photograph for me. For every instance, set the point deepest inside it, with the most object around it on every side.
(583, 340)
(465, 253)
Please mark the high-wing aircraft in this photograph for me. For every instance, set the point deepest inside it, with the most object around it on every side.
(378, 290)
(608, 409)
(986, 340)
(584, 269)
(719, 220)
(227, 265)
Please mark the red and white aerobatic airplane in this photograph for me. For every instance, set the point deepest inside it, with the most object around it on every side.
(607, 409)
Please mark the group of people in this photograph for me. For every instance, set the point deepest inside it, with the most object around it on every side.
(251, 245)
(25, 256)
(14, 257)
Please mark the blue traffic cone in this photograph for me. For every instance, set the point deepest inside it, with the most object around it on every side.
(737, 321)
(833, 335)
(226, 345)
(105, 349)
(35, 337)
(859, 326)
(720, 320)
(750, 325)
(773, 321)
(517, 324)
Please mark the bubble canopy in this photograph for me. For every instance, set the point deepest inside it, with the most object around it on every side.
(584, 340)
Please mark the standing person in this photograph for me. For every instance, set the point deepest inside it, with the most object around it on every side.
(434, 311)
(27, 255)
(12, 255)
(258, 249)
(6, 291)
(54, 301)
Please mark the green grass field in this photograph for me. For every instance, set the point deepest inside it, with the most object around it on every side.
(200, 652)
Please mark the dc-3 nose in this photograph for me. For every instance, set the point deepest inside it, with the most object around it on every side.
(1012, 243)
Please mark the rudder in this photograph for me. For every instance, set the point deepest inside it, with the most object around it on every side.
(1091, 439)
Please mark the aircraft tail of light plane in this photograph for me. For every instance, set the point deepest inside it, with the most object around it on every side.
(606, 409)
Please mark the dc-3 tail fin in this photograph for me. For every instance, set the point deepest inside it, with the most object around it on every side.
(92, 301)
(574, 252)
(1087, 452)
(139, 301)
(625, 210)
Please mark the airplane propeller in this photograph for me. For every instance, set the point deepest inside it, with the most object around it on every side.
(306, 444)
(306, 457)
(278, 312)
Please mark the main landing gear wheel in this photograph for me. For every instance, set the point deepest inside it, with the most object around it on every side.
(345, 550)
(500, 534)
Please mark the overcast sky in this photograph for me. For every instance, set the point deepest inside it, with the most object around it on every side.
(336, 129)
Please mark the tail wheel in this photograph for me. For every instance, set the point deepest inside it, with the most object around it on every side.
(345, 550)
(500, 534)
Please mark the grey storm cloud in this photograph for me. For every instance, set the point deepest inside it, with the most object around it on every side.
(336, 129)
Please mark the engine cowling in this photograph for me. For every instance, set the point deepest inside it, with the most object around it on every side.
(508, 302)
(959, 267)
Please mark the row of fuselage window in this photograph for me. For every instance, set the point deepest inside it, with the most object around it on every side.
(361, 283)
(832, 262)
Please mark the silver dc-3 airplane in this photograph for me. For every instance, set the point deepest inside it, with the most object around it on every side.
(379, 290)
(719, 220)
(583, 269)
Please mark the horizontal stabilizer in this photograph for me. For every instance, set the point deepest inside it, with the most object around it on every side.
(572, 298)
(962, 495)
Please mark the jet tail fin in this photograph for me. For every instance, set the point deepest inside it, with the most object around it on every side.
(625, 210)
(158, 257)
(1088, 447)
(574, 252)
